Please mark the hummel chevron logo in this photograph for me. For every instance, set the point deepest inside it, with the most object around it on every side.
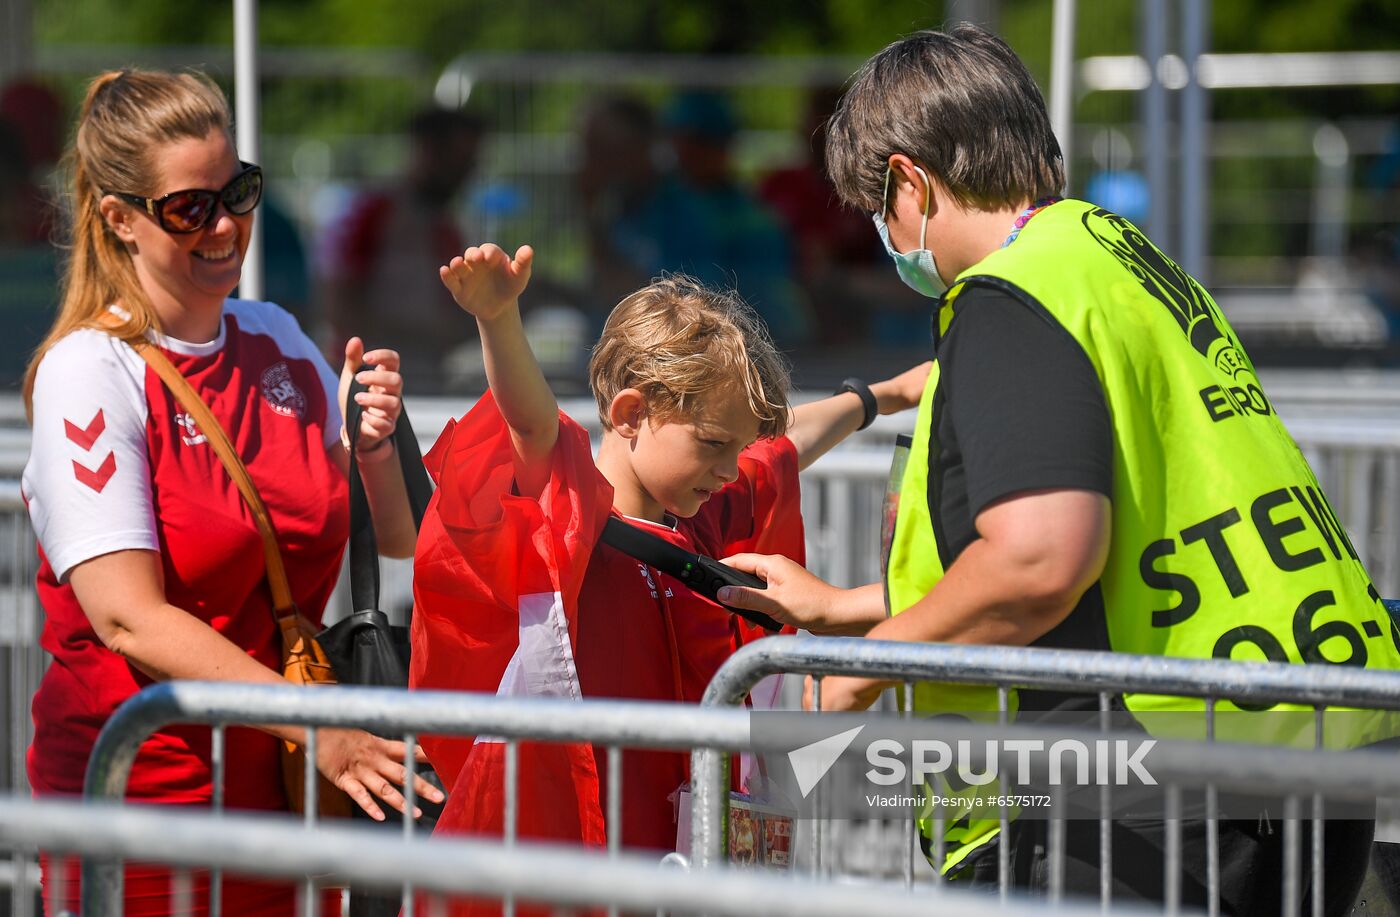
(86, 436)
(811, 762)
(97, 479)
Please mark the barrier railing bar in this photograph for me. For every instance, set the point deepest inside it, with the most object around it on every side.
(59, 892)
(309, 792)
(182, 893)
(547, 873)
(614, 807)
(309, 784)
(1004, 823)
(907, 708)
(1357, 774)
(1212, 827)
(308, 902)
(1062, 670)
(1318, 875)
(512, 809)
(410, 795)
(1172, 869)
(818, 821)
(382, 711)
(21, 897)
(1071, 670)
(614, 799)
(1056, 843)
(1292, 893)
(218, 747)
(1105, 826)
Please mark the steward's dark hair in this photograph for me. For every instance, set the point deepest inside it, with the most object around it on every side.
(962, 105)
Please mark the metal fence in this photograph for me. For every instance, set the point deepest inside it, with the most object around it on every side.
(1295, 774)
(711, 733)
(614, 724)
(546, 874)
(511, 869)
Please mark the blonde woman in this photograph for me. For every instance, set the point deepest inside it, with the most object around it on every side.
(151, 565)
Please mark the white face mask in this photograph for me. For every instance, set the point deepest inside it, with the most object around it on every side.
(916, 268)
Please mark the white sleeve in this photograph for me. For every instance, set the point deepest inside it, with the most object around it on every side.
(88, 481)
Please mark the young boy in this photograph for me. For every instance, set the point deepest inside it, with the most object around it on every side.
(513, 592)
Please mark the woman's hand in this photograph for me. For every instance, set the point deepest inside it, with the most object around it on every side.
(904, 391)
(382, 403)
(366, 767)
(486, 281)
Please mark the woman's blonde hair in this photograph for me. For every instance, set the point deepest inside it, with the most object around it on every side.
(677, 341)
(127, 116)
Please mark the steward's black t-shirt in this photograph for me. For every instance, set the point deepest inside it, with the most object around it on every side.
(1019, 407)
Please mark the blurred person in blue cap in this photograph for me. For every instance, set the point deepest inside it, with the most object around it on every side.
(1095, 466)
(701, 221)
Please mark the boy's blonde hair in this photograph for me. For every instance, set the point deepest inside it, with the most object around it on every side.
(677, 341)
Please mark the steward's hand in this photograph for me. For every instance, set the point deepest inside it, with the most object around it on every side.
(794, 595)
(486, 281)
(366, 767)
(382, 403)
(904, 390)
(842, 694)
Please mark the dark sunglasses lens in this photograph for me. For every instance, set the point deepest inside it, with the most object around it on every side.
(244, 192)
(187, 211)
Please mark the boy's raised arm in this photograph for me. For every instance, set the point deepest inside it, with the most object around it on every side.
(487, 282)
(817, 426)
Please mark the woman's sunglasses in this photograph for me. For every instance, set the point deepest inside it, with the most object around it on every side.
(190, 211)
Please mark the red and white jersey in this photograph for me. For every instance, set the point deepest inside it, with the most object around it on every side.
(117, 463)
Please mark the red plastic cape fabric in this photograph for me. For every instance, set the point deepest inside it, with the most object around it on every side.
(497, 584)
(474, 621)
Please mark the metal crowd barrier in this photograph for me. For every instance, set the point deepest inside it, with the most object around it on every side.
(331, 853)
(614, 724)
(22, 664)
(565, 877)
(1291, 773)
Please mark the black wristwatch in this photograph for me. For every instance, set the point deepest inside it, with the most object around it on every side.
(867, 399)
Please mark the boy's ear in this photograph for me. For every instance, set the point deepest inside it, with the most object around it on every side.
(627, 412)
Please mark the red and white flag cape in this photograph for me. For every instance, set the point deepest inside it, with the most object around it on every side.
(503, 626)
(496, 591)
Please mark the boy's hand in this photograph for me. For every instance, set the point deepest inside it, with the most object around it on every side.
(485, 281)
(903, 391)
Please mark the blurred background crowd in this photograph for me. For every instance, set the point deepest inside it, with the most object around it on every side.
(626, 140)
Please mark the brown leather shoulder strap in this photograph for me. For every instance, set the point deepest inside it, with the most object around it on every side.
(218, 439)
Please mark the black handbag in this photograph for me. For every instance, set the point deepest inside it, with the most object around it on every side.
(364, 648)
